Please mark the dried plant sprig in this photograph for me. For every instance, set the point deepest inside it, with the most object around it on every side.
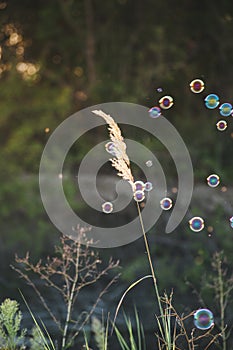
(121, 160)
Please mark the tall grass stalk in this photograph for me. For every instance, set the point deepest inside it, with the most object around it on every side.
(121, 163)
(166, 325)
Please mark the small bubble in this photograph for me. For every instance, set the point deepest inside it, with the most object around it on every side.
(174, 189)
(231, 221)
(225, 109)
(196, 224)
(46, 130)
(139, 196)
(110, 148)
(213, 180)
(159, 89)
(149, 163)
(210, 229)
(221, 125)
(155, 112)
(148, 186)
(203, 319)
(166, 203)
(197, 86)
(166, 102)
(107, 207)
(60, 176)
(139, 186)
(212, 101)
(224, 189)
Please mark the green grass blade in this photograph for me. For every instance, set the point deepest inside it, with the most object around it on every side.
(124, 294)
(45, 345)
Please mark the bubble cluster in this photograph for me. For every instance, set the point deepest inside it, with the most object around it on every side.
(221, 125)
(225, 109)
(166, 203)
(212, 101)
(203, 319)
(196, 224)
(155, 112)
(197, 86)
(213, 180)
(139, 189)
(166, 102)
(107, 207)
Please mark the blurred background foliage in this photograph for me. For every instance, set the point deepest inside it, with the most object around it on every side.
(58, 57)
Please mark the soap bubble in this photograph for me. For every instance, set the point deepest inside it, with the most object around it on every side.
(213, 180)
(139, 186)
(166, 102)
(155, 112)
(221, 125)
(231, 221)
(107, 207)
(159, 89)
(196, 224)
(166, 203)
(148, 186)
(212, 101)
(149, 163)
(197, 86)
(139, 196)
(110, 148)
(203, 319)
(225, 109)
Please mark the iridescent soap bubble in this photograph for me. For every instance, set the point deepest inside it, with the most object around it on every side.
(221, 125)
(231, 222)
(139, 196)
(149, 163)
(197, 86)
(203, 319)
(166, 203)
(110, 148)
(139, 186)
(196, 224)
(213, 180)
(166, 102)
(225, 109)
(148, 186)
(155, 112)
(212, 101)
(107, 207)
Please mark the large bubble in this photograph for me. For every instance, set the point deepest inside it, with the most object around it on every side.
(203, 319)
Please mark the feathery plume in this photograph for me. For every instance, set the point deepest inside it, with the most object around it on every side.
(121, 160)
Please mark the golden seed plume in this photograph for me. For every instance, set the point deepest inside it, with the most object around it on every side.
(121, 161)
